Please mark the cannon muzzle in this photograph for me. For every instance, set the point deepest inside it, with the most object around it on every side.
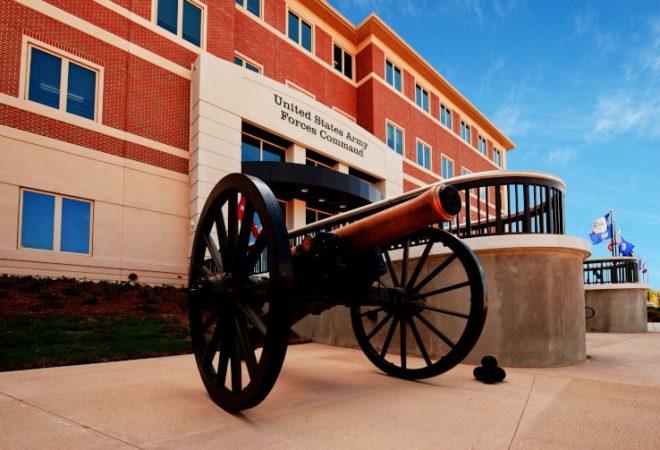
(437, 204)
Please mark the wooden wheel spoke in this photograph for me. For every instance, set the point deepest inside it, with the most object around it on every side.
(388, 338)
(213, 345)
(420, 343)
(445, 311)
(215, 253)
(435, 273)
(254, 318)
(404, 262)
(437, 332)
(203, 269)
(236, 366)
(390, 268)
(246, 220)
(453, 287)
(223, 364)
(221, 231)
(380, 325)
(213, 317)
(253, 253)
(232, 229)
(246, 345)
(420, 264)
(402, 342)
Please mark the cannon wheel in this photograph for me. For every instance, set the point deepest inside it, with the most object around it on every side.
(434, 311)
(240, 278)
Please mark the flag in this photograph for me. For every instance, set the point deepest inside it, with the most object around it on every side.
(241, 211)
(626, 248)
(645, 267)
(601, 230)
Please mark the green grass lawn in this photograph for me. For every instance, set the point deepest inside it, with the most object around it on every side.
(30, 342)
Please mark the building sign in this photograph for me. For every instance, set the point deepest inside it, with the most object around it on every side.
(297, 116)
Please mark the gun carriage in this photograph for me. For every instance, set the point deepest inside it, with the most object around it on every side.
(417, 295)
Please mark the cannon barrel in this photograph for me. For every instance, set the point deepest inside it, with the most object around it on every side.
(437, 204)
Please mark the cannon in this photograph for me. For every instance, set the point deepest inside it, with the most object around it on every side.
(417, 294)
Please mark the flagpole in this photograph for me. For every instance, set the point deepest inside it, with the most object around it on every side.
(612, 231)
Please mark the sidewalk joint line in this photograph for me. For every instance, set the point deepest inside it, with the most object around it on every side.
(522, 413)
(87, 427)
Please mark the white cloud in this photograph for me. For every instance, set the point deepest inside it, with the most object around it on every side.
(561, 156)
(627, 112)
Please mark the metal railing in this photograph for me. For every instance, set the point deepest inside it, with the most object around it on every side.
(611, 270)
(494, 203)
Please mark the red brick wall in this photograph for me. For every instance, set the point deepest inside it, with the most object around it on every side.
(138, 97)
(323, 45)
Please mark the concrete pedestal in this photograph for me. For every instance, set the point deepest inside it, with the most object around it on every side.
(535, 302)
(535, 299)
(618, 308)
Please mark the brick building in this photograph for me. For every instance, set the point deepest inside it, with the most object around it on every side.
(118, 117)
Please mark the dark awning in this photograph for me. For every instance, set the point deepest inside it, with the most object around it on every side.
(322, 188)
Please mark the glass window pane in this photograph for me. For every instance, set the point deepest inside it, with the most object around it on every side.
(397, 79)
(272, 153)
(348, 65)
(238, 61)
(306, 36)
(253, 6)
(390, 136)
(250, 149)
(294, 33)
(251, 67)
(81, 95)
(167, 14)
(336, 57)
(240, 2)
(399, 141)
(192, 23)
(45, 77)
(389, 76)
(76, 222)
(38, 215)
(310, 216)
(425, 100)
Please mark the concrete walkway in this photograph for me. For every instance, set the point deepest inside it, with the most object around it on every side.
(328, 397)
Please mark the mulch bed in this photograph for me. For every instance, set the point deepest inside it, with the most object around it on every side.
(31, 296)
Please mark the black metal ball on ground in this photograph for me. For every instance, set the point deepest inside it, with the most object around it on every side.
(488, 372)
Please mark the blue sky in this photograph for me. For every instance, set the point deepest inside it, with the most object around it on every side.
(575, 84)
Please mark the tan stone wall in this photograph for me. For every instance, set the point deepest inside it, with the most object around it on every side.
(140, 213)
(617, 308)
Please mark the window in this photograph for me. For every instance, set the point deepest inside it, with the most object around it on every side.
(54, 222)
(254, 6)
(395, 138)
(465, 133)
(256, 149)
(482, 146)
(497, 157)
(423, 155)
(300, 31)
(422, 97)
(447, 168)
(445, 116)
(245, 63)
(465, 171)
(181, 17)
(314, 215)
(392, 75)
(62, 84)
(342, 61)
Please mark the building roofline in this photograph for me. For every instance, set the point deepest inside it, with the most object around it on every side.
(373, 25)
